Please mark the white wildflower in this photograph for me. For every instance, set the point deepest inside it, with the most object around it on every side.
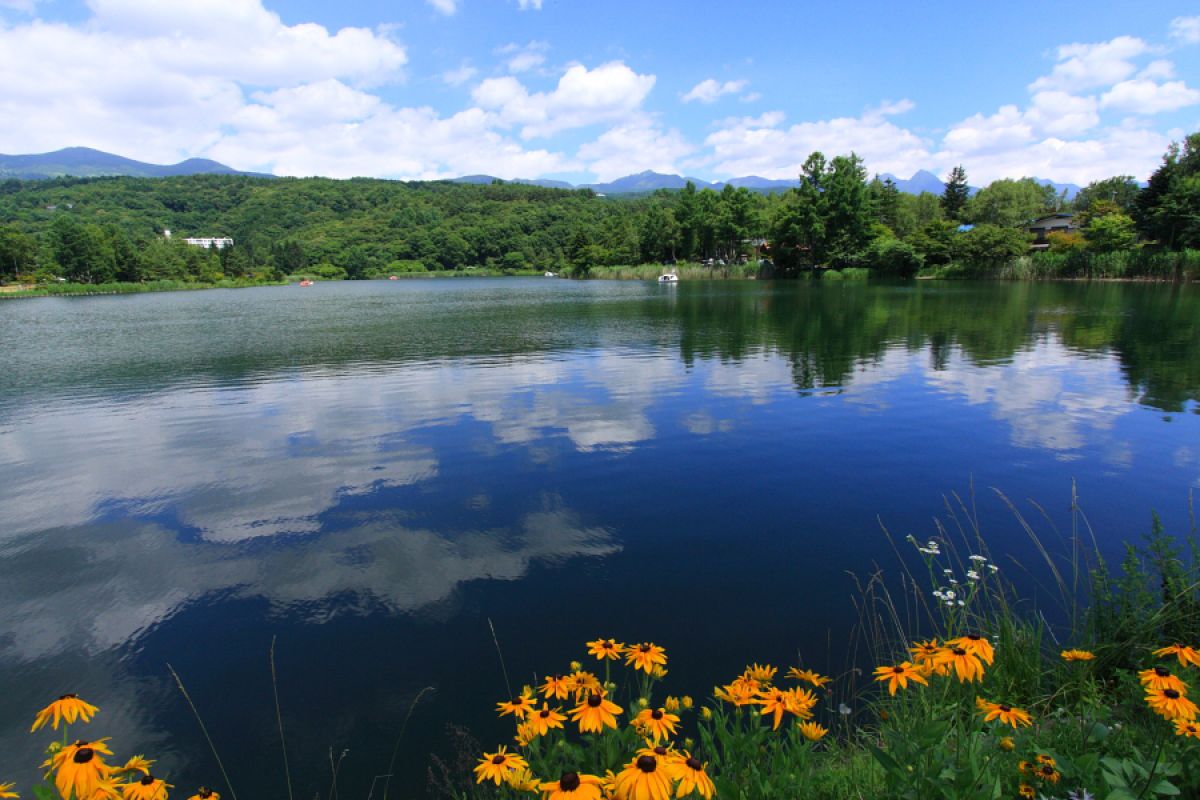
(972, 574)
(978, 558)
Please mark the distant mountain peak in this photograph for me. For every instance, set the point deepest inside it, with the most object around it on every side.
(87, 162)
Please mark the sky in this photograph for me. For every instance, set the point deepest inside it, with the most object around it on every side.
(592, 91)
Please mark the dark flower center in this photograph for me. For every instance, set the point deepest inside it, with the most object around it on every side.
(498, 759)
(898, 670)
(694, 763)
(205, 792)
(647, 763)
(1047, 770)
(958, 651)
(656, 714)
(68, 697)
(569, 782)
(974, 637)
(594, 700)
(1162, 672)
(608, 645)
(149, 779)
(645, 648)
(1171, 693)
(1004, 708)
(660, 751)
(83, 755)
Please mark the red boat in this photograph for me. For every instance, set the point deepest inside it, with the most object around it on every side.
(306, 282)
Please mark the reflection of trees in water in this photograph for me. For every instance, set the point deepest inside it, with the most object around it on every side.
(826, 332)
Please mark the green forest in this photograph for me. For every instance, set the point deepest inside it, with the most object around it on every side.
(837, 222)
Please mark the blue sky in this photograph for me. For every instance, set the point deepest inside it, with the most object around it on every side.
(586, 91)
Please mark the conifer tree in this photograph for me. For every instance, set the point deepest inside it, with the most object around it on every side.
(954, 198)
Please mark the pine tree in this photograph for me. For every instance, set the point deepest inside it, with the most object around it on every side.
(954, 198)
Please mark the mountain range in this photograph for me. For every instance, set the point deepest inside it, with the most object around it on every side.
(85, 162)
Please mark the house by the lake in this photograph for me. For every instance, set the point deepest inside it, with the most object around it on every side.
(209, 242)
(1051, 223)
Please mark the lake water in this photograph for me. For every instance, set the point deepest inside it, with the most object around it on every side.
(371, 471)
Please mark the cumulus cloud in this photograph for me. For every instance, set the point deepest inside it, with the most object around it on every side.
(1143, 96)
(447, 7)
(523, 57)
(708, 91)
(1089, 66)
(635, 146)
(19, 5)
(459, 76)
(583, 97)
(1185, 30)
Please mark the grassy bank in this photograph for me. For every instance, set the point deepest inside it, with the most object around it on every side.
(650, 272)
(1183, 265)
(85, 289)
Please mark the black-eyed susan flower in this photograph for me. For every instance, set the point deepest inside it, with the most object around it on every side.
(572, 786)
(80, 767)
(1077, 655)
(774, 702)
(1006, 744)
(148, 788)
(1161, 678)
(1170, 704)
(812, 731)
(7, 793)
(495, 766)
(1027, 792)
(583, 683)
(67, 708)
(763, 673)
(665, 752)
(965, 665)
(544, 719)
(645, 656)
(1185, 728)
(1006, 714)
(605, 648)
(1045, 759)
(137, 764)
(526, 733)
(808, 676)
(556, 686)
(205, 793)
(595, 713)
(671, 703)
(1046, 773)
(1186, 655)
(519, 706)
(522, 780)
(899, 676)
(108, 789)
(975, 644)
(645, 778)
(686, 701)
(737, 694)
(690, 772)
(658, 723)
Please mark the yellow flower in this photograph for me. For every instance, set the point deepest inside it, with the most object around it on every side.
(665, 753)
(594, 713)
(926, 657)
(1170, 704)
(575, 666)
(763, 674)
(67, 708)
(572, 786)
(966, 665)
(544, 719)
(148, 788)
(205, 793)
(526, 733)
(1027, 791)
(1186, 655)
(812, 731)
(605, 648)
(1046, 773)
(706, 712)
(657, 722)
(137, 764)
(1044, 759)
(1077, 655)
(899, 675)
(659, 672)
(1161, 678)
(816, 679)
(519, 706)
(976, 645)
(495, 766)
(1182, 728)
(776, 702)
(582, 683)
(6, 792)
(686, 701)
(689, 772)
(522, 780)
(556, 686)
(645, 656)
(643, 780)
(79, 767)
(671, 703)
(1005, 713)
(1006, 744)
(108, 789)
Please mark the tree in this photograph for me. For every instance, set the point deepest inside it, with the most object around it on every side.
(1011, 203)
(990, 245)
(956, 194)
(18, 253)
(935, 241)
(885, 201)
(1121, 190)
(1168, 209)
(847, 211)
(1110, 232)
(894, 257)
(82, 252)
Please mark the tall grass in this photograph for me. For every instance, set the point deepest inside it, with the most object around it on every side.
(650, 272)
(87, 289)
(1141, 264)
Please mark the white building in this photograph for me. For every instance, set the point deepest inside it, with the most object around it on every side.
(208, 242)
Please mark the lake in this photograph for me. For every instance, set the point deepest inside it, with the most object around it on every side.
(369, 472)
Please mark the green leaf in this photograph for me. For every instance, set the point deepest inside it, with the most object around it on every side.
(1165, 787)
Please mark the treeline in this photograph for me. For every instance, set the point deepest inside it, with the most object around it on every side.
(112, 229)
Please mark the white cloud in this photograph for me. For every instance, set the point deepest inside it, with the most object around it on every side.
(447, 7)
(459, 76)
(1186, 30)
(635, 146)
(762, 146)
(523, 57)
(525, 5)
(708, 91)
(1062, 114)
(19, 5)
(1161, 70)
(1091, 66)
(751, 97)
(583, 97)
(1143, 96)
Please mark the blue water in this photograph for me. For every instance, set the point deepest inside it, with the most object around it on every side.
(369, 472)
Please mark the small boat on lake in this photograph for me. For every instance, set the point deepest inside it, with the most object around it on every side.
(668, 277)
(393, 278)
(306, 282)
